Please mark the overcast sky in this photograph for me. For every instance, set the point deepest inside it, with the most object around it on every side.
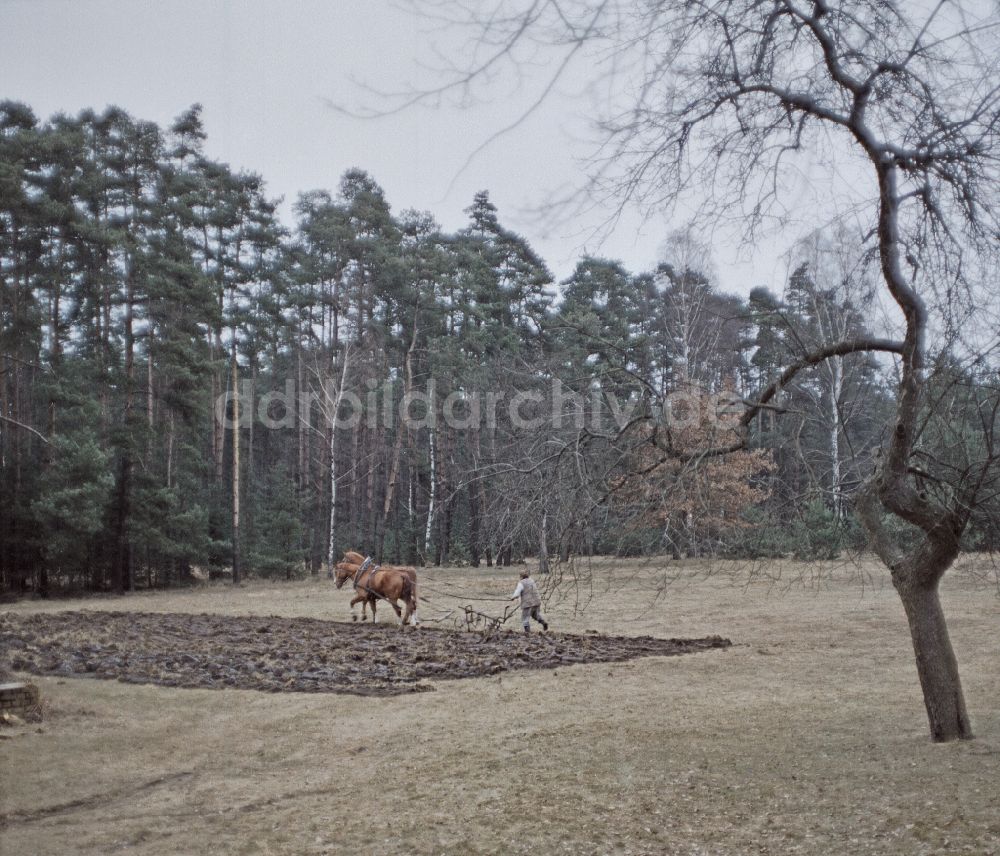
(265, 71)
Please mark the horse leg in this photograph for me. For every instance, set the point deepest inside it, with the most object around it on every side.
(371, 600)
(399, 613)
(354, 602)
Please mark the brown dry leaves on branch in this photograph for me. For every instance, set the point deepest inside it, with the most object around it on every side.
(714, 490)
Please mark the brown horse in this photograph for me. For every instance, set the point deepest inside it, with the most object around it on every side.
(354, 558)
(372, 583)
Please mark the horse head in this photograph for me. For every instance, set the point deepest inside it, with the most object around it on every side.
(353, 557)
(345, 572)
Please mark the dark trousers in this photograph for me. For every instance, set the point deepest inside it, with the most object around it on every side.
(528, 612)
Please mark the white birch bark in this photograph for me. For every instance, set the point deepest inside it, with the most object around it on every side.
(430, 505)
(836, 385)
(331, 535)
(237, 568)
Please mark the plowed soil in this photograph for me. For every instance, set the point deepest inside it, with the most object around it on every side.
(279, 654)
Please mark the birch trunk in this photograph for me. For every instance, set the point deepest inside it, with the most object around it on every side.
(331, 533)
(543, 544)
(836, 385)
(433, 491)
(236, 467)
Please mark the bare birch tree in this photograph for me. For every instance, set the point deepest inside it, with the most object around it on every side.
(331, 404)
(838, 304)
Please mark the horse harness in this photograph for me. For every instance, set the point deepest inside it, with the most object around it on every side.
(370, 566)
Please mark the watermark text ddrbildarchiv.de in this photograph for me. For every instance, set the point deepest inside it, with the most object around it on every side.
(552, 405)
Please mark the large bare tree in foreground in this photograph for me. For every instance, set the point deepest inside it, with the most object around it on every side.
(731, 101)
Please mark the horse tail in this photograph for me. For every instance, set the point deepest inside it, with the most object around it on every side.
(410, 590)
(410, 593)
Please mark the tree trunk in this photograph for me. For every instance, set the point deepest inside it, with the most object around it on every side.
(55, 358)
(218, 430)
(397, 449)
(236, 468)
(693, 548)
(106, 353)
(475, 509)
(150, 397)
(917, 577)
(543, 544)
(447, 502)
(373, 482)
(433, 490)
(302, 423)
(217, 352)
(331, 540)
(7, 518)
(937, 666)
(355, 485)
(170, 450)
(446, 521)
(564, 544)
(836, 386)
(413, 554)
(123, 556)
(672, 537)
(474, 554)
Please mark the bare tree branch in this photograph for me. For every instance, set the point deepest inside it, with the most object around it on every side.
(24, 427)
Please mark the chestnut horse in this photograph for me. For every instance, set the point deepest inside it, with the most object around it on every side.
(372, 582)
(354, 558)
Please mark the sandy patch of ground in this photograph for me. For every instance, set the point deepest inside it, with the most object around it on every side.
(807, 736)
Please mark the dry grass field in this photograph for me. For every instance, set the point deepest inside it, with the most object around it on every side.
(806, 736)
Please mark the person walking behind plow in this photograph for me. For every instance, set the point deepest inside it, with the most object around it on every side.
(531, 602)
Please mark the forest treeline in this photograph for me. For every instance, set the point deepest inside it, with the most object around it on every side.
(143, 284)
